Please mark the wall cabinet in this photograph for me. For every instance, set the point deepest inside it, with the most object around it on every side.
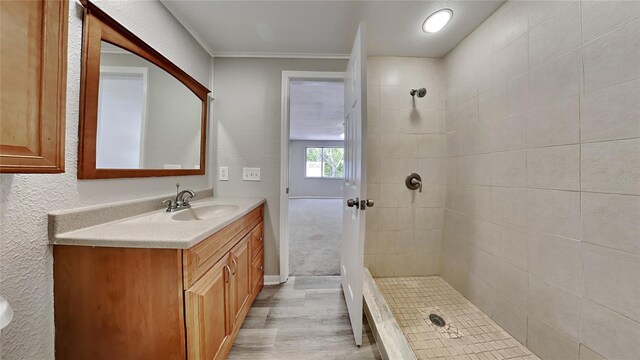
(33, 85)
(126, 303)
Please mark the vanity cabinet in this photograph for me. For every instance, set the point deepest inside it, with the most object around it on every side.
(136, 303)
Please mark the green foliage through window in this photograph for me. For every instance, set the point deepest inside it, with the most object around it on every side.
(325, 162)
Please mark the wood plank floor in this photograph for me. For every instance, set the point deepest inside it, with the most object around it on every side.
(305, 318)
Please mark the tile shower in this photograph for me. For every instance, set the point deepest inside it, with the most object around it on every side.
(529, 141)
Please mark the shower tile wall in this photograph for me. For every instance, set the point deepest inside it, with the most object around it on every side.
(405, 135)
(542, 218)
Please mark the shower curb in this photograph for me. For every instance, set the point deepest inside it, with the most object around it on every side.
(390, 339)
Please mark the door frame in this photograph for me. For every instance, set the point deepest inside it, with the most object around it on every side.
(285, 127)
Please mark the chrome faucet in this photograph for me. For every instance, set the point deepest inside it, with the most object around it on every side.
(182, 200)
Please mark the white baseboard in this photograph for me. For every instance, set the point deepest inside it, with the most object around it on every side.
(272, 279)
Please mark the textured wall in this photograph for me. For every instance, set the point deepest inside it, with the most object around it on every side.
(542, 211)
(247, 120)
(299, 184)
(25, 257)
(405, 135)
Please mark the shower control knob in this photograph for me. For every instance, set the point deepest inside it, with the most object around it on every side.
(352, 202)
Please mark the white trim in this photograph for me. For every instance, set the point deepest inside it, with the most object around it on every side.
(136, 70)
(287, 76)
(187, 27)
(315, 197)
(269, 55)
(272, 279)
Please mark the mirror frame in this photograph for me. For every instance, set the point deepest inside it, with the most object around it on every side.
(98, 27)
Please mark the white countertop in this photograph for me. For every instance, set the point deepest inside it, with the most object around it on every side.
(159, 229)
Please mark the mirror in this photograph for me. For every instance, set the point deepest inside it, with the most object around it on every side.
(141, 115)
(147, 119)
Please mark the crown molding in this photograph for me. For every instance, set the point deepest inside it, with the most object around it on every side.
(280, 55)
(187, 27)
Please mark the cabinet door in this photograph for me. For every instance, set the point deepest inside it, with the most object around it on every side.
(241, 272)
(207, 313)
(257, 272)
(33, 68)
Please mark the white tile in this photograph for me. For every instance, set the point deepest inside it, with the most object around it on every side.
(432, 145)
(554, 124)
(432, 170)
(514, 247)
(513, 283)
(509, 168)
(388, 72)
(556, 79)
(389, 98)
(555, 212)
(512, 318)
(609, 333)
(511, 61)
(468, 113)
(611, 113)
(485, 235)
(475, 169)
(588, 354)
(493, 104)
(556, 35)
(612, 58)
(484, 265)
(555, 305)
(455, 275)
(611, 279)
(518, 95)
(612, 167)
(512, 20)
(513, 205)
(541, 10)
(600, 17)
(611, 220)
(388, 196)
(556, 259)
(481, 295)
(388, 219)
(548, 342)
(555, 167)
(508, 133)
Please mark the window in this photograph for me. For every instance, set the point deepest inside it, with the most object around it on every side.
(325, 162)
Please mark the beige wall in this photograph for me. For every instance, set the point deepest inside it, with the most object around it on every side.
(405, 135)
(247, 131)
(542, 211)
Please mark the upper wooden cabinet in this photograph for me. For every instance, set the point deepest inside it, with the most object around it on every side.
(33, 77)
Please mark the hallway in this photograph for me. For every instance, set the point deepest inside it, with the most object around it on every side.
(305, 318)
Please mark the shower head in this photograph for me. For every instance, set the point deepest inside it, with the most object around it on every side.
(421, 92)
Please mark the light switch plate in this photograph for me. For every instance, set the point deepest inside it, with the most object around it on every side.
(223, 173)
(251, 174)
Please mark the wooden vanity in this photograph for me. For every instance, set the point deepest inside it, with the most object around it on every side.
(152, 303)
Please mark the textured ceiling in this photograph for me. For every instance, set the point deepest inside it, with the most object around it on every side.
(317, 110)
(242, 28)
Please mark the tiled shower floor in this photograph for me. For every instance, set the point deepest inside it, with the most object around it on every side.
(469, 333)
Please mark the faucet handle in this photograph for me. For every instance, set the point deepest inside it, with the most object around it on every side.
(171, 205)
(185, 199)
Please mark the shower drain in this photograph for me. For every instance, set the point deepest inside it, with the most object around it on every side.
(437, 320)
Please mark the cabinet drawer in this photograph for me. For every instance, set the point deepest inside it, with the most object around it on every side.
(257, 271)
(257, 239)
(201, 257)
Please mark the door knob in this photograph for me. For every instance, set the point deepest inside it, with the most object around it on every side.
(352, 202)
(366, 203)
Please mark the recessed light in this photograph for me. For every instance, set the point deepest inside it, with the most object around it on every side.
(436, 21)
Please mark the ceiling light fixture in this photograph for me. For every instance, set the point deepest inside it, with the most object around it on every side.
(436, 21)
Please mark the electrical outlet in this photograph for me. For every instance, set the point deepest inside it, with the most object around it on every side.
(251, 174)
(223, 173)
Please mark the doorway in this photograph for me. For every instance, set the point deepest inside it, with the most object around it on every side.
(312, 173)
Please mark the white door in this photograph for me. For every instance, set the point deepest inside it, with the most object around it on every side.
(355, 191)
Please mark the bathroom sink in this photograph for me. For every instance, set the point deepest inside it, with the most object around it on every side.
(205, 212)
